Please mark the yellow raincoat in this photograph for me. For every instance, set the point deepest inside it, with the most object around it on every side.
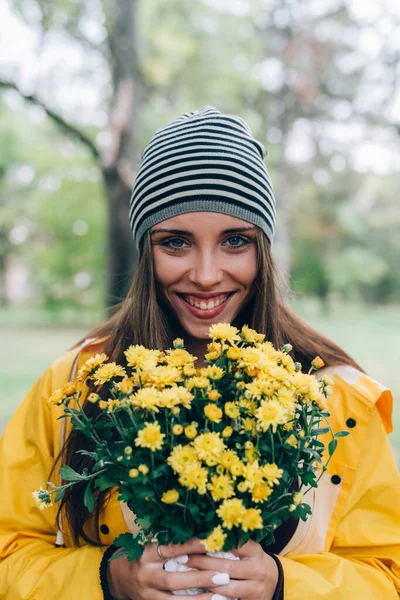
(348, 550)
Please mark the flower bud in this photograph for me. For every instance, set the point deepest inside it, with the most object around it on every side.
(287, 348)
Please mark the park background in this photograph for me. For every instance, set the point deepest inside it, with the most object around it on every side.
(84, 84)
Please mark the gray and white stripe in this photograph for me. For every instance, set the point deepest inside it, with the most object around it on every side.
(203, 161)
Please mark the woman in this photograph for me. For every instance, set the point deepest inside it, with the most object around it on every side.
(203, 216)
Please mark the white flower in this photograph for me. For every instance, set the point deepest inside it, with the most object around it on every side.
(42, 498)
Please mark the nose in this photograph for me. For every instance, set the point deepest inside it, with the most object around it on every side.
(205, 272)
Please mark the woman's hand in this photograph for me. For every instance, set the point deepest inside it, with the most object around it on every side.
(145, 578)
(255, 576)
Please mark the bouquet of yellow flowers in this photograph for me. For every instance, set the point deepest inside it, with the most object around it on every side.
(221, 452)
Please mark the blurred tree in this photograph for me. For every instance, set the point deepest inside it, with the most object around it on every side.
(305, 75)
(117, 162)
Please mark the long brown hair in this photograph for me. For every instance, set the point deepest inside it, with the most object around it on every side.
(141, 319)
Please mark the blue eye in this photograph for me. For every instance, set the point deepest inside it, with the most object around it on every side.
(237, 241)
(174, 243)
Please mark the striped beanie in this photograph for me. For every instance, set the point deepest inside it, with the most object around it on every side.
(203, 161)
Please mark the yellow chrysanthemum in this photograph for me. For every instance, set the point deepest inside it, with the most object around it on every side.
(271, 414)
(140, 357)
(237, 468)
(194, 477)
(289, 426)
(286, 398)
(144, 469)
(189, 370)
(261, 387)
(57, 397)
(90, 364)
(181, 457)
(232, 410)
(209, 445)
(69, 388)
(251, 454)
(200, 382)
(254, 358)
(179, 358)
(190, 432)
(224, 332)
(317, 363)
(251, 336)
(252, 519)
(146, 399)
(103, 404)
(221, 487)
(253, 474)
(133, 473)
(177, 429)
(170, 497)
(227, 431)
(227, 458)
(164, 375)
(287, 362)
(279, 373)
(213, 395)
(250, 406)
(261, 492)
(215, 373)
(213, 413)
(150, 437)
(213, 351)
(249, 424)
(126, 386)
(272, 473)
(231, 512)
(107, 372)
(216, 540)
(292, 441)
(233, 353)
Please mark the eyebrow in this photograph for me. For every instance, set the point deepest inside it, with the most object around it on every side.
(185, 232)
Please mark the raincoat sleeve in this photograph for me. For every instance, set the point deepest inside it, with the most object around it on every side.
(30, 564)
(363, 559)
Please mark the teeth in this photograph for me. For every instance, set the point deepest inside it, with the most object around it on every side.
(206, 305)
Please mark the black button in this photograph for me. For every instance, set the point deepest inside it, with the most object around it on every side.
(336, 479)
(104, 529)
(351, 423)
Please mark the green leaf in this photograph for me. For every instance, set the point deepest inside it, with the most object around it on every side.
(320, 431)
(68, 474)
(59, 494)
(332, 446)
(104, 483)
(342, 434)
(88, 498)
(131, 545)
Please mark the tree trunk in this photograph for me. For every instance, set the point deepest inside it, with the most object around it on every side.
(121, 160)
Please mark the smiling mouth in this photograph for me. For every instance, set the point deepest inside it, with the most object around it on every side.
(206, 304)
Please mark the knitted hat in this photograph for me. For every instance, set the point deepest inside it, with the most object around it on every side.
(203, 161)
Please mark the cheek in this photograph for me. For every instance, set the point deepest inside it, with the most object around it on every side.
(244, 268)
(167, 269)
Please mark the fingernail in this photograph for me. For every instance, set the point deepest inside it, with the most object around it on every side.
(170, 565)
(220, 579)
(182, 559)
(218, 597)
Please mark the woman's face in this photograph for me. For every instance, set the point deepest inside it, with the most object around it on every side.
(205, 265)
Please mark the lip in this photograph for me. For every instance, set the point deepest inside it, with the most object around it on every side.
(205, 314)
(205, 296)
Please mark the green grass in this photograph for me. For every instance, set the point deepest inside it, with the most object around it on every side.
(32, 339)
